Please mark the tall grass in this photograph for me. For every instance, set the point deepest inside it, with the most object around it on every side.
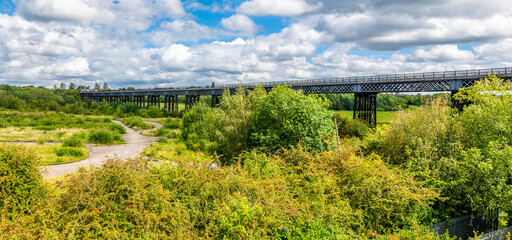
(102, 136)
(136, 123)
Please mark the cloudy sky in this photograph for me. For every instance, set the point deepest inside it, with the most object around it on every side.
(168, 43)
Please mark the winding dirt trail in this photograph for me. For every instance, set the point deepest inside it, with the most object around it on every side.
(135, 144)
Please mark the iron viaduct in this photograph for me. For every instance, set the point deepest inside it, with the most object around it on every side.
(365, 89)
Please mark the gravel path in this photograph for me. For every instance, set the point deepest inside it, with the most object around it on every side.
(135, 143)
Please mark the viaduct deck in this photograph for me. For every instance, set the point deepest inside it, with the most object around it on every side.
(365, 89)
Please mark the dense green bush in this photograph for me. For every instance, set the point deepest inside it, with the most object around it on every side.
(161, 132)
(103, 136)
(21, 183)
(172, 123)
(348, 127)
(200, 121)
(117, 128)
(174, 114)
(136, 123)
(225, 130)
(153, 112)
(255, 201)
(120, 200)
(387, 198)
(73, 141)
(286, 117)
(70, 151)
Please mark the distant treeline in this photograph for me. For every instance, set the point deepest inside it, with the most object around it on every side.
(31, 99)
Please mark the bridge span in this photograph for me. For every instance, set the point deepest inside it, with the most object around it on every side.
(365, 89)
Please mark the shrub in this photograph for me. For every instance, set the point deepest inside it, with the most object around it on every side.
(193, 121)
(120, 200)
(115, 127)
(103, 136)
(286, 117)
(386, 198)
(429, 132)
(227, 129)
(350, 128)
(73, 141)
(263, 199)
(153, 112)
(174, 114)
(172, 123)
(161, 132)
(20, 178)
(69, 151)
(136, 123)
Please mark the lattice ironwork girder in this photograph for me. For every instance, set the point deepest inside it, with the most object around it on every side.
(317, 89)
(406, 86)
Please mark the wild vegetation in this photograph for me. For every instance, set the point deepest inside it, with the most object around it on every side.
(262, 167)
(136, 123)
(385, 102)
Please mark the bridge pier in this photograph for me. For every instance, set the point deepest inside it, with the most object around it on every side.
(174, 106)
(171, 103)
(365, 107)
(190, 100)
(154, 100)
(216, 100)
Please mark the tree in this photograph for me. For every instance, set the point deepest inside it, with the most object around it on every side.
(105, 87)
(286, 117)
(97, 86)
(72, 86)
(228, 127)
(62, 86)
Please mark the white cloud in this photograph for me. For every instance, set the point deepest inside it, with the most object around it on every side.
(500, 52)
(73, 67)
(57, 10)
(444, 53)
(181, 30)
(173, 7)
(277, 8)
(241, 23)
(176, 56)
